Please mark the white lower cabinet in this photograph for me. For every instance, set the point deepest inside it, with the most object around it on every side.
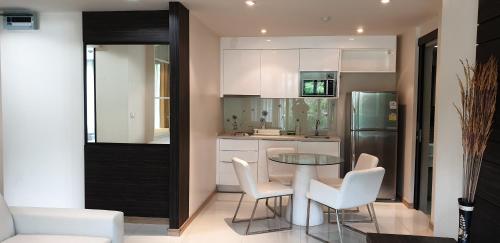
(254, 152)
(247, 150)
(330, 148)
(227, 175)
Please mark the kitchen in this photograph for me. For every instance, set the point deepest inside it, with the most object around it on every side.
(298, 92)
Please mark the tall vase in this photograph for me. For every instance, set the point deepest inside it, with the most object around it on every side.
(464, 221)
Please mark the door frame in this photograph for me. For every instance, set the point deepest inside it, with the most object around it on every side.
(422, 42)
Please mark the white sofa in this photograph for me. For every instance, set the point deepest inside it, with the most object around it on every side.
(54, 225)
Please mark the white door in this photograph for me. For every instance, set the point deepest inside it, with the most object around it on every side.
(280, 74)
(319, 59)
(329, 148)
(241, 72)
(263, 146)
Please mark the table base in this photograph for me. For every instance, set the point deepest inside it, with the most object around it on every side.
(301, 181)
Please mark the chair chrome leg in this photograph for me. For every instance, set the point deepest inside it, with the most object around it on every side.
(329, 215)
(369, 212)
(238, 208)
(291, 210)
(375, 218)
(307, 217)
(339, 225)
(273, 210)
(251, 217)
(281, 207)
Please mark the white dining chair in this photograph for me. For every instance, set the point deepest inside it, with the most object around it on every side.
(359, 188)
(365, 161)
(258, 192)
(279, 172)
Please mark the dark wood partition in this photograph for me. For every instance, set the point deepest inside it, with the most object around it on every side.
(486, 217)
(132, 178)
(179, 136)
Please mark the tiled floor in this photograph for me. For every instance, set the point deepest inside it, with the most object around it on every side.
(213, 225)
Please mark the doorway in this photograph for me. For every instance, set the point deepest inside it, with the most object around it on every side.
(425, 121)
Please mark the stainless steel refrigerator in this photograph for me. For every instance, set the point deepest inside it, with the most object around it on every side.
(372, 127)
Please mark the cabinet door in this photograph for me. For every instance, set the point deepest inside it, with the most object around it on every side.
(280, 74)
(368, 60)
(227, 175)
(330, 148)
(241, 72)
(263, 146)
(319, 59)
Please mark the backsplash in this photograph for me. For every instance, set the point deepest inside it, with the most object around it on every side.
(243, 114)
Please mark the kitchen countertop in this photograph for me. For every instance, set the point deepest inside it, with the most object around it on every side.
(279, 138)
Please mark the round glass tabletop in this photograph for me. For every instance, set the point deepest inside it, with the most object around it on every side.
(306, 159)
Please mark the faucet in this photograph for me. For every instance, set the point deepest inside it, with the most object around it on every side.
(316, 132)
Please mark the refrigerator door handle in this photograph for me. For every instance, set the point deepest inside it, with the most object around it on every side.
(353, 150)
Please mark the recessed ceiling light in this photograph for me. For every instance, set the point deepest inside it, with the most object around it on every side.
(435, 46)
(263, 31)
(249, 3)
(268, 40)
(351, 39)
(385, 1)
(360, 30)
(326, 18)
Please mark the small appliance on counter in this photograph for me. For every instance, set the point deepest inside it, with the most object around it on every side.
(318, 84)
(266, 132)
(372, 127)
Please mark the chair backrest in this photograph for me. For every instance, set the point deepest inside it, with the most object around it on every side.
(360, 188)
(245, 177)
(366, 161)
(275, 168)
(6, 222)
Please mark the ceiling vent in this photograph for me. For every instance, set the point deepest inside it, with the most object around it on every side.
(20, 21)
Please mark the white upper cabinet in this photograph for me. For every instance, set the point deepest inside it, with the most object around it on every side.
(319, 59)
(368, 60)
(241, 72)
(279, 74)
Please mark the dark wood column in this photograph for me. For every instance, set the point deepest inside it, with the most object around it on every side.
(486, 219)
(179, 123)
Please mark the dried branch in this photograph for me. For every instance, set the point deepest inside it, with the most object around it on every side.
(478, 92)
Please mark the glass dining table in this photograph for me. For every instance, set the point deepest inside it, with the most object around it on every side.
(306, 168)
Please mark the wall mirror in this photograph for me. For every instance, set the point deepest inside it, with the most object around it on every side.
(128, 93)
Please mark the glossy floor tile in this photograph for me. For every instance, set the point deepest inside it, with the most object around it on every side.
(214, 225)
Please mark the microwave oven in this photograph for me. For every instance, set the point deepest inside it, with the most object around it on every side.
(318, 84)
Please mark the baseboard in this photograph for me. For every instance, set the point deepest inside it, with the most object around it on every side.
(407, 204)
(180, 230)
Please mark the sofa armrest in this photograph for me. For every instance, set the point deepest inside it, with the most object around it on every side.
(58, 221)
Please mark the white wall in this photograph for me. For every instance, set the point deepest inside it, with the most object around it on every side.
(407, 81)
(42, 103)
(206, 111)
(457, 40)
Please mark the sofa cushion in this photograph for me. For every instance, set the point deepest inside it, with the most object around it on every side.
(6, 221)
(55, 239)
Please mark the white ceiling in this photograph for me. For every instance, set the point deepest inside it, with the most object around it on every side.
(279, 17)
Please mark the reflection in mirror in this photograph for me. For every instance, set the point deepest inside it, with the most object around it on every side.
(128, 94)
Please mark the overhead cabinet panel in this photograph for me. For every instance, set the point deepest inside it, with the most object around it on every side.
(368, 60)
(280, 74)
(319, 59)
(241, 72)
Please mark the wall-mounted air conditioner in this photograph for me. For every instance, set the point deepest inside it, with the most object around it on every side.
(20, 21)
